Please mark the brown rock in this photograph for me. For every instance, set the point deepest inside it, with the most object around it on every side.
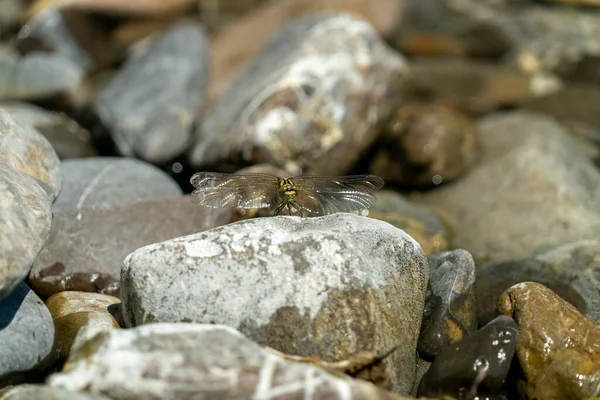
(78, 316)
(425, 145)
(419, 222)
(558, 348)
(236, 44)
(474, 86)
(87, 246)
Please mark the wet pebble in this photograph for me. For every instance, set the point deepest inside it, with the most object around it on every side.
(174, 361)
(30, 179)
(102, 181)
(425, 145)
(528, 163)
(450, 307)
(327, 287)
(30, 392)
(88, 245)
(79, 316)
(558, 349)
(571, 270)
(153, 101)
(68, 138)
(310, 101)
(26, 334)
(419, 222)
(475, 366)
(36, 75)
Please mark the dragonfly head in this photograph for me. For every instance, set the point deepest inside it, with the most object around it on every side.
(287, 188)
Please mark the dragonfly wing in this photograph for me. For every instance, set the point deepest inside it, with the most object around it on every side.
(320, 195)
(217, 190)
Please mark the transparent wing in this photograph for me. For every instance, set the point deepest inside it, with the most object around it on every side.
(217, 190)
(320, 195)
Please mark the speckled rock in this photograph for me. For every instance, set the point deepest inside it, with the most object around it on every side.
(571, 270)
(79, 316)
(419, 222)
(31, 392)
(103, 181)
(36, 75)
(310, 101)
(450, 307)
(30, 179)
(558, 349)
(533, 177)
(26, 333)
(475, 366)
(177, 361)
(425, 145)
(152, 102)
(88, 245)
(68, 139)
(328, 286)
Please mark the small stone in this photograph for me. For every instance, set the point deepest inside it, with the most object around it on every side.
(26, 333)
(36, 75)
(327, 287)
(152, 102)
(104, 181)
(68, 138)
(571, 270)
(174, 361)
(474, 87)
(29, 181)
(79, 316)
(476, 366)
(73, 34)
(87, 246)
(30, 392)
(558, 348)
(310, 101)
(450, 307)
(417, 221)
(532, 177)
(425, 145)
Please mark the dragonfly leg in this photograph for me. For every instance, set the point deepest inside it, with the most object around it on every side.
(279, 208)
(299, 208)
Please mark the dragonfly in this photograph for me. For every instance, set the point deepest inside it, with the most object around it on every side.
(310, 195)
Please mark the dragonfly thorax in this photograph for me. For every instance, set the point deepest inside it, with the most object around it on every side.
(287, 188)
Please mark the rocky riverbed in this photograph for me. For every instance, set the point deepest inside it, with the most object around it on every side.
(476, 275)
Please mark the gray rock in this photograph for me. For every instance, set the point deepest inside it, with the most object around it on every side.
(193, 361)
(153, 101)
(36, 75)
(103, 181)
(26, 332)
(87, 246)
(450, 308)
(534, 187)
(475, 367)
(31, 392)
(29, 181)
(310, 100)
(328, 286)
(570, 269)
(68, 139)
